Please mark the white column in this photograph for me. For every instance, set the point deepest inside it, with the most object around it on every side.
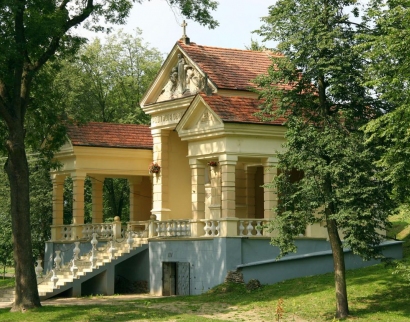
(227, 164)
(197, 196)
(215, 206)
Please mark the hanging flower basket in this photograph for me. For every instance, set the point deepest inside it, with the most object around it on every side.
(213, 163)
(154, 168)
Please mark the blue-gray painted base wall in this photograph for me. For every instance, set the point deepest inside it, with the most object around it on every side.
(211, 259)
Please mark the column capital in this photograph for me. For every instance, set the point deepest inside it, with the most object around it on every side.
(196, 163)
(78, 176)
(271, 161)
(57, 178)
(159, 132)
(228, 159)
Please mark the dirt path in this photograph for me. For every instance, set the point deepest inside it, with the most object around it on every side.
(222, 311)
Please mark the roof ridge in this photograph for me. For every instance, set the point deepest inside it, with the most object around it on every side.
(223, 48)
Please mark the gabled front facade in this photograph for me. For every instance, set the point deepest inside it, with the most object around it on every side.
(203, 212)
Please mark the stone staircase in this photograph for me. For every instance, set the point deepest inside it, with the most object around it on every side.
(105, 259)
(65, 278)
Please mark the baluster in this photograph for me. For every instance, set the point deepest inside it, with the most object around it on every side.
(76, 250)
(258, 228)
(178, 228)
(84, 231)
(74, 269)
(163, 228)
(112, 250)
(110, 229)
(94, 243)
(241, 228)
(187, 228)
(103, 232)
(39, 269)
(57, 259)
(207, 228)
(54, 278)
(217, 227)
(212, 228)
(130, 240)
(249, 228)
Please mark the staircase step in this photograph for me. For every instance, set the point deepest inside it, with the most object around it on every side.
(65, 277)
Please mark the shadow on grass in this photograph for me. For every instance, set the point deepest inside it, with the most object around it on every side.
(128, 312)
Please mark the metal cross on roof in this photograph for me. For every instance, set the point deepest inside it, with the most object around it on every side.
(184, 24)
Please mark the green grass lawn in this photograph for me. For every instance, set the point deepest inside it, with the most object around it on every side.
(375, 294)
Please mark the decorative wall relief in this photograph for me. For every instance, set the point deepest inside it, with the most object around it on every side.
(173, 117)
(183, 80)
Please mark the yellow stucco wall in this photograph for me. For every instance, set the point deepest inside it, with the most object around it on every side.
(179, 178)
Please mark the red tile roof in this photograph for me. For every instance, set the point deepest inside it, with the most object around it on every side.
(110, 135)
(229, 68)
(237, 109)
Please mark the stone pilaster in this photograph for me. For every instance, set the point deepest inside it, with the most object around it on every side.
(198, 196)
(215, 204)
(161, 180)
(198, 189)
(78, 199)
(227, 164)
(58, 199)
(270, 197)
(58, 205)
(97, 200)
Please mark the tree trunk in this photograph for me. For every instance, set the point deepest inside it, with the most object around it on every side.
(342, 308)
(26, 295)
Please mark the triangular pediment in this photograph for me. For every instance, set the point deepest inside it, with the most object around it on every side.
(178, 77)
(199, 118)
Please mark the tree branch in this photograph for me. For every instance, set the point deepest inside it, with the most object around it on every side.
(54, 44)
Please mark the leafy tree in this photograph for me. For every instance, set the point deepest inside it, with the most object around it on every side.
(41, 205)
(326, 172)
(388, 74)
(6, 243)
(105, 81)
(33, 33)
(116, 196)
(256, 46)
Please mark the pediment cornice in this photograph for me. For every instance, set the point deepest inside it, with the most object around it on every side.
(178, 77)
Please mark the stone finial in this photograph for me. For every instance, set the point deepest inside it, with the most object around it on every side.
(184, 37)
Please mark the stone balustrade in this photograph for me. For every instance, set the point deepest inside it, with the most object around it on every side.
(223, 227)
(234, 227)
(173, 228)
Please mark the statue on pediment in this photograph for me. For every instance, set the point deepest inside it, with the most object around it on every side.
(168, 91)
(183, 80)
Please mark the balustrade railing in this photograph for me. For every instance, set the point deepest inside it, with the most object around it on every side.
(233, 227)
(103, 231)
(211, 228)
(172, 228)
(251, 227)
(222, 227)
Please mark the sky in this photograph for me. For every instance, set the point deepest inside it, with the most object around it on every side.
(161, 28)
